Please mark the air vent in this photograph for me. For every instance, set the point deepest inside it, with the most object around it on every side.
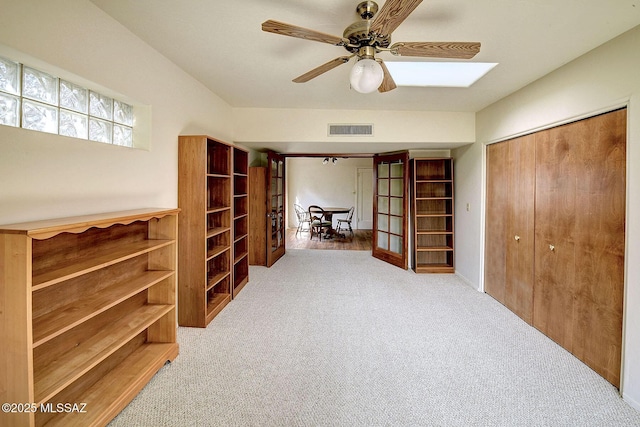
(350, 130)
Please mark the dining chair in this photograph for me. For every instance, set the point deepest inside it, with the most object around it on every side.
(303, 218)
(318, 221)
(346, 221)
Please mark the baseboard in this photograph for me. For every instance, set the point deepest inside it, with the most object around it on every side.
(467, 281)
(631, 402)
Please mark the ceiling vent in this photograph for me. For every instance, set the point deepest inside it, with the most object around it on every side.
(350, 130)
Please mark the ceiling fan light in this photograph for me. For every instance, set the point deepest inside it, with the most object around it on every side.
(366, 76)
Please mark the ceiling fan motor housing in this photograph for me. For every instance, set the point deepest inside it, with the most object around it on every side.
(359, 33)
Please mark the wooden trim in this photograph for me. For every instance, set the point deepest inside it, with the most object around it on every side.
(45, 229)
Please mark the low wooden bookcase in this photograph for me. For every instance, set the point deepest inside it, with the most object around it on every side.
(87, 313)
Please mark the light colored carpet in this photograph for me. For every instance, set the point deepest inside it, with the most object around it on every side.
(338, 338)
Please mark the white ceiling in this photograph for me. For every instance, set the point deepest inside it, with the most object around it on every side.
(221, 44)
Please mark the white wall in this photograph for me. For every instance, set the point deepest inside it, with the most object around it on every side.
(604, 78)
(304, 129)
(310, 182)
(46, 176)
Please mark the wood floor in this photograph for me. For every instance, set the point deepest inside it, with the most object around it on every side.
(361, 241)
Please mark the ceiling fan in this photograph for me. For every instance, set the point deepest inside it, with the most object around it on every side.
(367, 37)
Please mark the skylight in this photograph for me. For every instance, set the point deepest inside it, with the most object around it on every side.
(439, 74)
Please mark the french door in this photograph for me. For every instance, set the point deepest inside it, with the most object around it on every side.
(390, 208)
(275, 208)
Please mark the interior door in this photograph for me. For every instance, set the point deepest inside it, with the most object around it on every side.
(520, 227)
(495, 268)
(391, 208)
(509, 243)
(276, 212)
(580, 239)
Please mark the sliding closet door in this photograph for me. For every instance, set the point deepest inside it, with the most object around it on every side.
(579, 232)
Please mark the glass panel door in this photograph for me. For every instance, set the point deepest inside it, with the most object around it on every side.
(276, 203)
(390, 205)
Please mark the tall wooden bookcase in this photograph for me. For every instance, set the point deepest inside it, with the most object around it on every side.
(213, 196)
(87, 313)
(240, 219)
(433, 215)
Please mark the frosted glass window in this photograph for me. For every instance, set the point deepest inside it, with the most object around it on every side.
(396, 207)
(74, 125)
(9, 109)
(383, 204)
(396, 170)
(383, 170)
(122, 135)
(9, 76)
(395, 244)
(39, 86)
(383, 187)
(397, 187)
(395, 225)
(39, 101)
(40, 117)
(100, 106)
(383, 223)
(122, 113)
(73, 97)
(100, 130)
(383, 240)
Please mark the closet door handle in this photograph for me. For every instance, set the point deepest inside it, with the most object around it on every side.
(517, 238)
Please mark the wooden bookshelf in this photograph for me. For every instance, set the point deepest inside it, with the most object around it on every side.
(85, 301)
(433, 220)
(212, 193)
(240, 219)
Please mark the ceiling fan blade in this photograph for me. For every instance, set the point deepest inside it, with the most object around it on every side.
(322, 69)
(387, 83)
(458, 50)
(276, 27)
(392, 14)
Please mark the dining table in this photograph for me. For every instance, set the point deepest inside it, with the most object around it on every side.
(329, 212)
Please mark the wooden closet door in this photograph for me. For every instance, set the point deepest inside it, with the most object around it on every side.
(496, 223)
(555, 212)
(509, 266)
(520, 227)
(600, 244)
(579, 231)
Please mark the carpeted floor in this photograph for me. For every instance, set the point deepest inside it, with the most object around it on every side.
(338, 338)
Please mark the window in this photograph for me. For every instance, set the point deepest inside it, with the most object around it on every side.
(35, 100)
